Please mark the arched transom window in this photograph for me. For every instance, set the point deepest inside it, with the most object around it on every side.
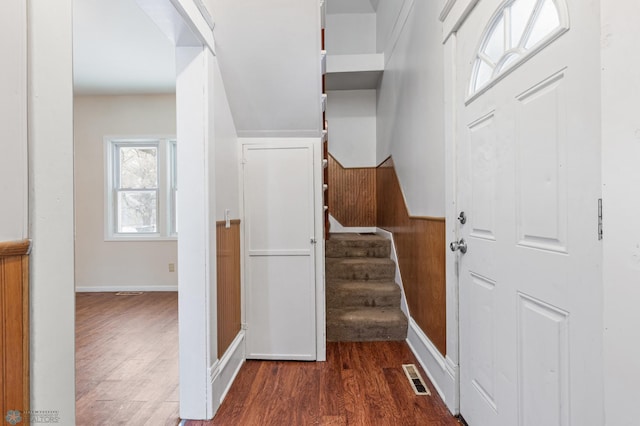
(518, 29)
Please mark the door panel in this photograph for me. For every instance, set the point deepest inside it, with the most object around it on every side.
(541, 172)
(528, 179)
(543, 349)
(282, 314)
(279, 182)
(280, 251)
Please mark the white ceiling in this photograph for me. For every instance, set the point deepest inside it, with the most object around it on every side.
(352, 6)
(117, 49)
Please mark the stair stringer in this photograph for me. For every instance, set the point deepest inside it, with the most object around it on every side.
(398, 277)
(337, 227)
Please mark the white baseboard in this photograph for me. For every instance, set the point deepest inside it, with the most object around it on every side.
(224, 371)
(442, 372)
(117, 288)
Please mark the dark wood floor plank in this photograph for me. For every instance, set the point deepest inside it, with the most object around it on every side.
(332, 402)
(359, 384)
(127, 359)
(127, 373)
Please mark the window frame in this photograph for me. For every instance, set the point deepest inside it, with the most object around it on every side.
(523, 54)
(165, 210)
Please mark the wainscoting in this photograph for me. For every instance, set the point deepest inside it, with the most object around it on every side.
(367, 197)
(420, 244)
(14, 333)
(228, 267)
(352, 194)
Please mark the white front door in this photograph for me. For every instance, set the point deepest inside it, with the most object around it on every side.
(280, 251)
(528, 168)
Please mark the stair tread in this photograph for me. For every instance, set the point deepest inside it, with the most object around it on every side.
(363, 299)
(345, 236)
(372, 315)
(357, 245)
(360, 260)
(372, 285)
(366, 324)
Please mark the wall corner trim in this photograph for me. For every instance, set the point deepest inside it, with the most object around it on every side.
(442, 372)
(457, 12)
(447, 9)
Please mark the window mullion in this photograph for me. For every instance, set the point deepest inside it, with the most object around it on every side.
(161, 197)
(529, 27)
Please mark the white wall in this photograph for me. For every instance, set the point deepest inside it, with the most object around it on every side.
(51, 207)
(269, 54)
(352, 127)
(226, 150)
(410, 123)
(13, 121)
(114, 265)
(621, 180)
(386, 17)
(350, 33)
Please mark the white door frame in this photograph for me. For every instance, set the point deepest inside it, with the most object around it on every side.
(316, 143)
(51, 192)
(452, 17)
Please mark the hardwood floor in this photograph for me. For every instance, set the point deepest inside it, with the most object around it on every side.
(127, 374)
(362, 383)
(127, 359)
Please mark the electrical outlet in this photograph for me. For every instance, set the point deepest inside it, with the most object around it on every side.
(172, 267)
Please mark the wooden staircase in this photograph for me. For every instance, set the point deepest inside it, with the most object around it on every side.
(363, 300)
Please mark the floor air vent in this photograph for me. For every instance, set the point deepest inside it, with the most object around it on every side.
(129, 293)
(415, 379)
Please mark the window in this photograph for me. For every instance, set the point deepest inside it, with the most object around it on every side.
(519, 29)
(141, 188)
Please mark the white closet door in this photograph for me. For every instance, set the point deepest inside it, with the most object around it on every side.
(280, 251)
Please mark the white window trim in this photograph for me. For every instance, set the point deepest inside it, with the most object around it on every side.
(166, 213)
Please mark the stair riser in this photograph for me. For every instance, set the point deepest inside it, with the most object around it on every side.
(349, 332)
(342, 299)
(362, 272)
(339, 250)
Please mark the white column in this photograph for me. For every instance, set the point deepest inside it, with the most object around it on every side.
(51, 208)
(13, 121)
(196, 234)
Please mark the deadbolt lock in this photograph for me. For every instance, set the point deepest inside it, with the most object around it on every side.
(462, 218)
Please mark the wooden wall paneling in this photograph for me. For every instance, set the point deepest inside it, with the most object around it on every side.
(352, 197)
(14, 332)
(420, 245)
(228, 276)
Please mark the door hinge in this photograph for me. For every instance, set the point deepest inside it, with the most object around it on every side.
(600, 232)
(244, 326)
